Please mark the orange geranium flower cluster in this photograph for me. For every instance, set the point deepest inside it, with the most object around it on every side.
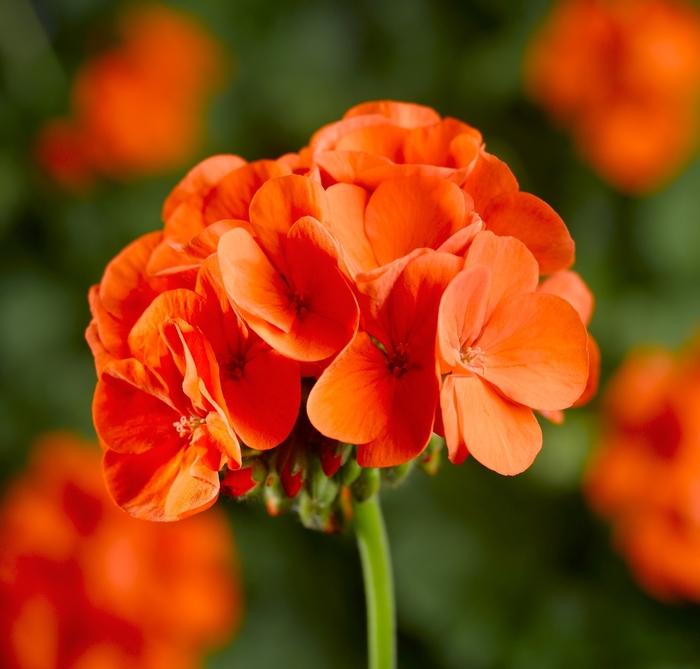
(624, 77)
(138, 109)
(83, 585)
(644, 476)
(379, 285)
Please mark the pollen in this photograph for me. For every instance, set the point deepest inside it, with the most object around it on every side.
(473, 358)
(186, 426)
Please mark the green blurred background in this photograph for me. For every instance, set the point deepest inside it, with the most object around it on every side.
(490, 572)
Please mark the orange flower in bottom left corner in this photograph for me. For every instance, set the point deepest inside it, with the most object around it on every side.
(83, 585)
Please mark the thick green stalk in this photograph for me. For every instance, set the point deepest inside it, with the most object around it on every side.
(379, 583)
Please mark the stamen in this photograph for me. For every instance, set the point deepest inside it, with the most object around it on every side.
(473, 358)
(300, 303)
(186, 426)
(398, 363)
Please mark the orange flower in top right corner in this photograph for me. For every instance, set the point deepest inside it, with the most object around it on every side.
(623, 76)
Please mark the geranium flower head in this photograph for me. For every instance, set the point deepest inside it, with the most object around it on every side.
(305, 321)
(84, 585)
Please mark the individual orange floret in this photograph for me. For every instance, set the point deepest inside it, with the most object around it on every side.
(285, 282)
(382, 390)
(643, 476)
(506, 350)
(84, 585)
(381, 141)
(636, 117)
(138, 109)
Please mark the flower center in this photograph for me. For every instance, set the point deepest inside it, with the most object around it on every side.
(233, 367)
(300, 303)
(473, 358)
(398, 363)
(186, 426)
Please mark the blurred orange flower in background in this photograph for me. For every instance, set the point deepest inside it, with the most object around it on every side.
(84, 585)
(623, 76)
(138, 108)
(645, 475)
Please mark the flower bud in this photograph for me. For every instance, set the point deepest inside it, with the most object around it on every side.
(367, 483)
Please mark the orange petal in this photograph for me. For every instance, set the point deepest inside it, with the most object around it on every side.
(371, 178)
(462, 313)
(344, 166)
(458, 243)
(279, 204)
(329, 316)
(534, 223)
(232, 196)
(410, 416)
(347, 224)
(129, 418)
(181, 303)
(412, 212)
(404, 114)
(502, 436)
(535, 351)
(571, 287)
(252, 282)
(514, 269)
(431, 145)
(381, 140)
(158, 484)
(328, 136)
(267, 381)
(456, 448)
(200, 179)
(489, 178)
(593, 373)
(352, 399)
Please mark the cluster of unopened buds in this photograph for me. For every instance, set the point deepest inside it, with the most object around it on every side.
(302, 327)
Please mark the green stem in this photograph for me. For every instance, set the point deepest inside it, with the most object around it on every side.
(379, 583)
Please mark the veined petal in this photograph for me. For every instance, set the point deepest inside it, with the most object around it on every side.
(414, 398)
(200, 179)
(232, 196)
(264, 401)
(408, 213)
(571, 287)
(462, 313)
(130, 419)
(404, 114)
(372, 178)
(593, 373)
(501, 435)
(535, 351)
(489, 177)
(456, 448)
(353, 398)
(279, 204)
(345, 166)
(382, 140)
(347, 224)
(534, 223)
(514, 269)
(158, 484)
(431, 145)
(252, 282)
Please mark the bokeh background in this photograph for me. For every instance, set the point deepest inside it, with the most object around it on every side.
(490, 572)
